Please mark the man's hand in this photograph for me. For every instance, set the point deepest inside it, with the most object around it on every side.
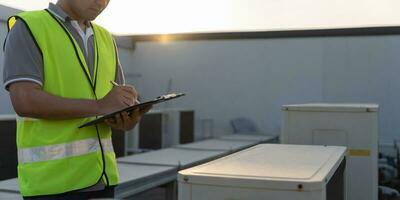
(118, 98)
(125, 122)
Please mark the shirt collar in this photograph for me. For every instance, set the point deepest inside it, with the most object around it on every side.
(61, 14)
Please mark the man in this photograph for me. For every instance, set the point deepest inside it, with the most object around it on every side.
(57, 68)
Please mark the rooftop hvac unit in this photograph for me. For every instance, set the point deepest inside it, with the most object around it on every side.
(269, 171)
(352, 125)
(161, 129)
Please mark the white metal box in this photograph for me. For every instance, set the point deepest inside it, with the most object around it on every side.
(268, 171)
(352, 125)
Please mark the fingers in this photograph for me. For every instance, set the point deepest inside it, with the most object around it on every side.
(131, 120)
(118, 120)
(128, 121)
(145, 109)
(118, 98)
(112, 124)
(118, 123)
(129, 95)
(130, 90)
(125, 98)
(128, 101)
(124, 121)
(136, 115)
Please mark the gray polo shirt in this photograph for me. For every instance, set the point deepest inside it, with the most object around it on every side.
(23, 61)
(22, 58)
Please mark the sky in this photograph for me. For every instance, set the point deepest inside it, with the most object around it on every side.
(138, 17)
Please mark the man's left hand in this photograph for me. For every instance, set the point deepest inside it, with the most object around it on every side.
(125, 122)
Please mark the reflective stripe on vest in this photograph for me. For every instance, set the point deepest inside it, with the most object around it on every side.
(58, 151)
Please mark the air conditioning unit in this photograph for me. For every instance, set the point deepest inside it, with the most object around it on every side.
(352, 125)
(161, 129)
(8, 147)
(269, 171)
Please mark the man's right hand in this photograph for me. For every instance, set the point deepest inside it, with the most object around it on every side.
(118, 98)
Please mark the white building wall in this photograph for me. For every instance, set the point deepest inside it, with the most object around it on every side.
(230, 78)
(252, 78)
(365, 69)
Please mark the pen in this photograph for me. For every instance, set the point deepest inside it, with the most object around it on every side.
(116, 84)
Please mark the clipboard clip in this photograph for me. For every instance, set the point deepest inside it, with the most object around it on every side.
(167, 96)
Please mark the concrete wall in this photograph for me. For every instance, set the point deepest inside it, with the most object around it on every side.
(253, 78)
(365, 69)
(231, 78)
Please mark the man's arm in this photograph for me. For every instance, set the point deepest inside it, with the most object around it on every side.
(25, 76)
(29, 100)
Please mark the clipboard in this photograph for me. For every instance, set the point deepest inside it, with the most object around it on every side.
(130, 109)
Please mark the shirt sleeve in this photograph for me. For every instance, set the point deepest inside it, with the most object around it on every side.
(119, 76)
(22, 58)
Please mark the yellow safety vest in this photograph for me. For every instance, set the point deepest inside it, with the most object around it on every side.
(55, 156)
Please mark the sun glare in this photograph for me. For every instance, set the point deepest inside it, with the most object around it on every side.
(140, 17)
(163, 17)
